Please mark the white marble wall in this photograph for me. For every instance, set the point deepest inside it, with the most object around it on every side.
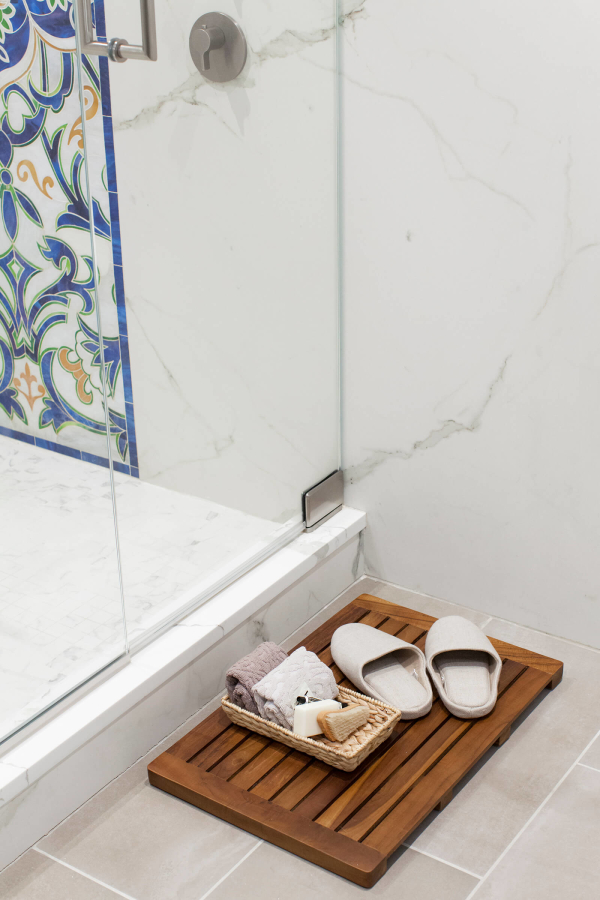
(472, 302)
(228, 210)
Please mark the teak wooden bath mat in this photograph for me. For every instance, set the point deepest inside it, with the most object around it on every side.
(348, 822)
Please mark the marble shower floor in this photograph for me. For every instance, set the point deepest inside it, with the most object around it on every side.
(60, 597)
(523, 826)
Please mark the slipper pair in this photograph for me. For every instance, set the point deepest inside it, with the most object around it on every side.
(461, 661)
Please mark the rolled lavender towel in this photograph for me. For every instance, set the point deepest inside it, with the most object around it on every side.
(246, 672)
(276, 693)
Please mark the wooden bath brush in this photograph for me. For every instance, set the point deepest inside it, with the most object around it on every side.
(339, 724)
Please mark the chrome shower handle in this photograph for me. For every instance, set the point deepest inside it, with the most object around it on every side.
(117, 49)
(206, 39)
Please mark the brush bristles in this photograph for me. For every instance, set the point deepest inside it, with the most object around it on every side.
(340, 724)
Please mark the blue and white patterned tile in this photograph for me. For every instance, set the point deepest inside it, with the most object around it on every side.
(50, 359)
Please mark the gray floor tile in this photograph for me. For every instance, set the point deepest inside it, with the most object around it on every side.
(274, 874)
(556, 858)
(147, 843)
(421, 602)
(35, 877)
(511, 781)
(592, 757)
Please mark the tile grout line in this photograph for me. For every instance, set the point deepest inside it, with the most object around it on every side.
(586, 766)
(85, 874)
(231, 871)
(533, 816)
(444, 861)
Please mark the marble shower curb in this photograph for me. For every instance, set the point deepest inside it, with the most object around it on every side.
(56, 769)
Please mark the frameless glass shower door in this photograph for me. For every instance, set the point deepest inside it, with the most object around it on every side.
(61, 617)
(217, 285)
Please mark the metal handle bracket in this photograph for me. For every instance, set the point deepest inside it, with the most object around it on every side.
(117, 49)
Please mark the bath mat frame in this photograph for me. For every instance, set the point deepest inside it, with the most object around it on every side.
(348, 822)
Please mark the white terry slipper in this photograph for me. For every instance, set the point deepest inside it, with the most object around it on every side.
(384, 667)
(463, 666)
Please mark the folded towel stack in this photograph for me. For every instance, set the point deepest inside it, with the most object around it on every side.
(275, 695)
(248, 671)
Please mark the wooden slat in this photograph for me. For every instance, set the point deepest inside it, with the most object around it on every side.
(421, 645)
(373, 619)
(271, 756)
(331, 787)
(281, 775)
(266, 820)
(325, 656)
(303, 785)
(411, 616)
(337, 674)
(404, 818)
(392, 626)
(240, 756)
(220, 747)
(411, 633)
(200, 736)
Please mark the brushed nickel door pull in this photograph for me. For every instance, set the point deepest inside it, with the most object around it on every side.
(117, 49)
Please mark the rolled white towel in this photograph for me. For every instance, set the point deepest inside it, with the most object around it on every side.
(276, 693)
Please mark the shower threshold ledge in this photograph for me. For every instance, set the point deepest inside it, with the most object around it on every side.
(54, 769)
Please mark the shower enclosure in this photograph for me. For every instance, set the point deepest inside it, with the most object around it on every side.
(168, 375)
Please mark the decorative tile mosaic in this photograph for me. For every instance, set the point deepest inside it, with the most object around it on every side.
(52, 348)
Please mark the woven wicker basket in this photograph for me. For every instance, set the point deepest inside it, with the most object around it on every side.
(346, 755)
